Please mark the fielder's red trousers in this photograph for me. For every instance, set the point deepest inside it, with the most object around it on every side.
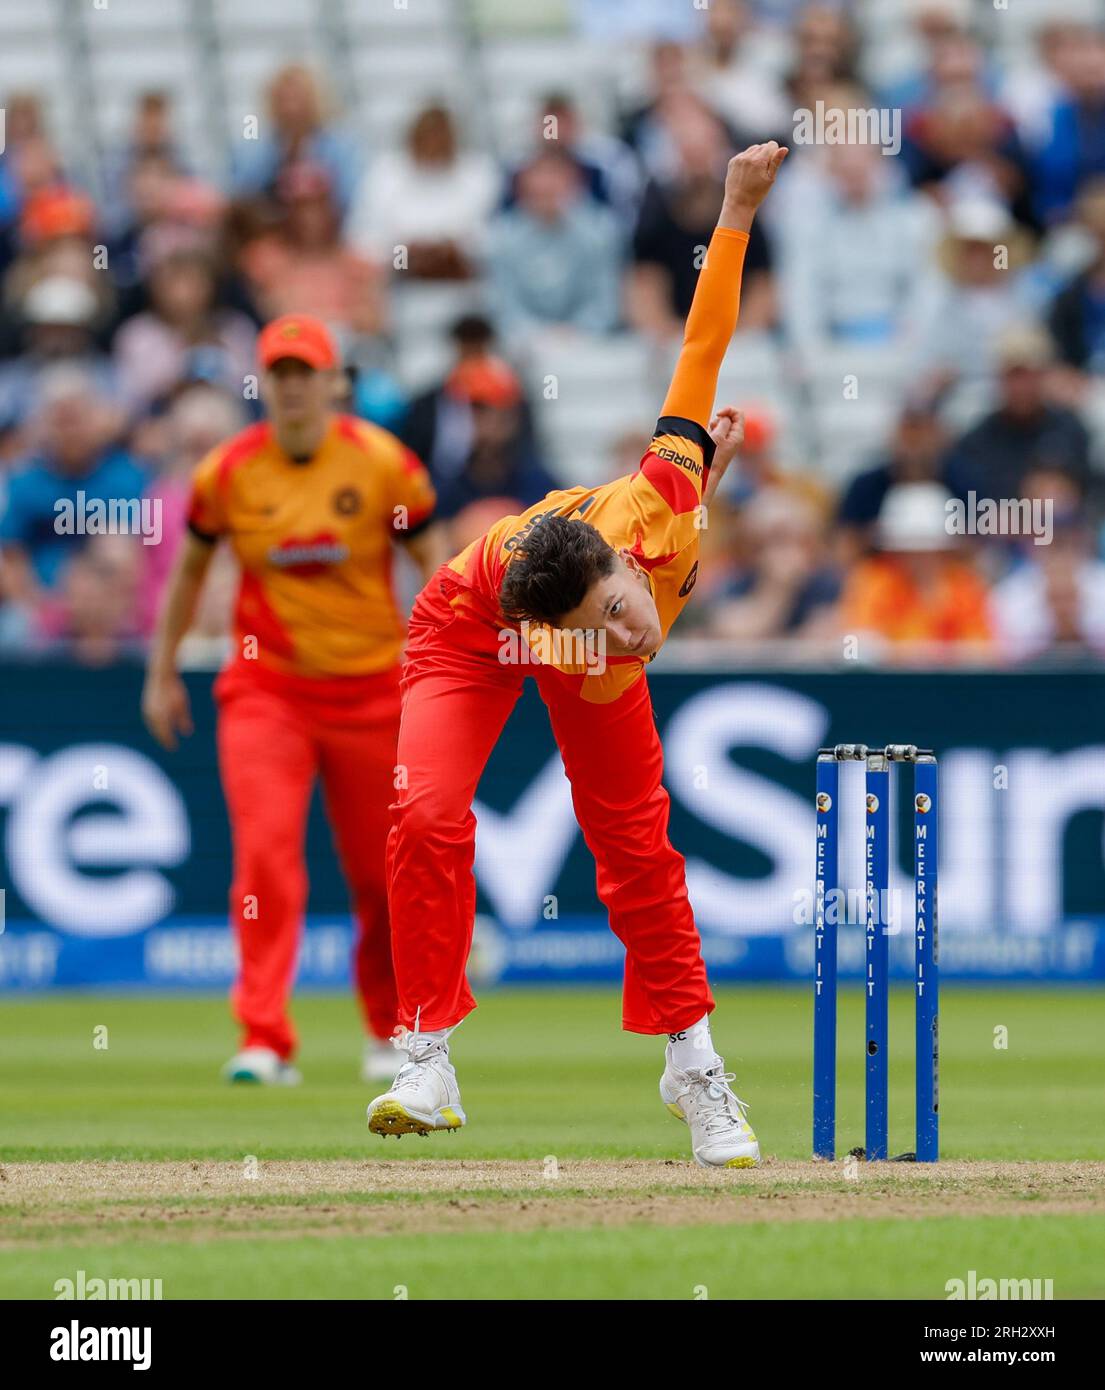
(457, 696)
(276, 735)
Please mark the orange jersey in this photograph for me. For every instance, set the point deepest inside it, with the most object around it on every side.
(881, 596)
(656, 513)
(314, 543)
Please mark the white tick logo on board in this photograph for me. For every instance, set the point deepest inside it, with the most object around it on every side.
(77, 1343)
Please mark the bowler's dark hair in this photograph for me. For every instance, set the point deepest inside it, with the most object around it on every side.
(552, 569)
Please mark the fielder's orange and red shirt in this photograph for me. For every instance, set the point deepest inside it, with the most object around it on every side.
(314, 542)
(656, 513)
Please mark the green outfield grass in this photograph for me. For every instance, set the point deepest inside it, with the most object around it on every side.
(811, 1260)
(545, 1073)
(541, 1072)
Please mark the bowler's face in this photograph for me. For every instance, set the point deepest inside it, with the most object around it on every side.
(620, 605)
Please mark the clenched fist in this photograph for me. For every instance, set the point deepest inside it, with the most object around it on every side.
(726, 429)
(748, 180)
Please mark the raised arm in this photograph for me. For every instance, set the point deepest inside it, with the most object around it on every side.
(716, 304)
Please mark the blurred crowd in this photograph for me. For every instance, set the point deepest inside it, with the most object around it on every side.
(131, 304)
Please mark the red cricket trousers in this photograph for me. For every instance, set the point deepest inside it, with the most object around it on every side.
(276, 735)
(457, 696)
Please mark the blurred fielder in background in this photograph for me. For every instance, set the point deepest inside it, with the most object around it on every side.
(311, 502)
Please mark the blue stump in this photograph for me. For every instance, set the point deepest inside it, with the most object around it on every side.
(926, 967)
(877, 955)
(825, 921)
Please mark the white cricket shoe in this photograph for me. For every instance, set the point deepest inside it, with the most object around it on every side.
(425, 1095)
(261, 1066)
(382, 1058)
(721, 1136)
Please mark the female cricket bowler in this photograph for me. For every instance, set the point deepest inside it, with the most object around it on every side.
(617, 562)
(311, 502)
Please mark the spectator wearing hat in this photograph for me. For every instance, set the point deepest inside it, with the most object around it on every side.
(1026, 430)
(979, 288)
(438, 423)
(429, 201)
(554, 260)
(58, 318)
(57, 233)
(727, 570)
(501, 459)
(56, 213)
(760, 463)
(916, 455)
(153, 350)
(916, 589)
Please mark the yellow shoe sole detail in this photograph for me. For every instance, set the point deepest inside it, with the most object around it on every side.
(741, 1162)
(391, 1118)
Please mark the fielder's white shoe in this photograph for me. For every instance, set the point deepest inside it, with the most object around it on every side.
(721, 1136)
(382, 1059)
(424, 1096)
(261, 1066)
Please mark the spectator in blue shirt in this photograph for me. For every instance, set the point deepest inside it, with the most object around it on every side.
(555, 259)
(296, 131)
(1075, 149)
(75, 461)
(1077, 318)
